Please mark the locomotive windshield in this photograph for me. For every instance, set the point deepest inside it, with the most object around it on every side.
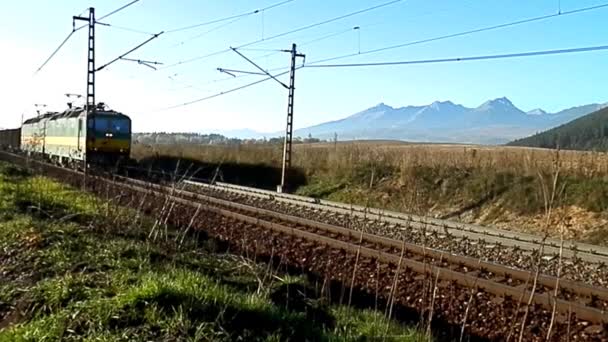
(103, 124)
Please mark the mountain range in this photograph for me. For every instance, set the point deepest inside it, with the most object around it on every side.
(494, 122)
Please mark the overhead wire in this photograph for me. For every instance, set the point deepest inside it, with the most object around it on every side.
(330, 35)
(263, 50)
(74, 29)
(464, 59)
(427, 61)
(128, 29)
(215, 21)
(409, 62)
(83, 12)
(327, 21)
(234, 19)
(196, 58)
(118, 10)
(128, 52)
(210, 22)
(518, 22)
(206, 32)
(54, 52)
(276, 51)
(226, 91)
(321, 23)
(464, 33)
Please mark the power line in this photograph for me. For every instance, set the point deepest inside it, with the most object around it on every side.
(288, 32)
(210, 22)
(231, 78)
(186, 85)
(259, 68)
(266, 50)
(118, 10)
(128, 29)
(207, 32)
(149, 64)
(55, 52)
(464, 33)
(189, 27)
(411, 62)
(83, 12)
(74, 29)
(196, 58)
(321, 23)
(275, 5)
(228, 91)
(400, 45)
(337, 33)
(128, 52)
(327, 36)
(465, 59)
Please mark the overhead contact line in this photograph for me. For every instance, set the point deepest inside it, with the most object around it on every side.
(464, 33)
(74, 29)
(464, 59)
(410, 62)
(237, 16)
(327, 21)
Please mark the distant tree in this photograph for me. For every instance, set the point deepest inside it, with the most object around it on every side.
(589, 132)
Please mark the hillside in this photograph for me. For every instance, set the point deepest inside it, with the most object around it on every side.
(496, 121)
(589, 132)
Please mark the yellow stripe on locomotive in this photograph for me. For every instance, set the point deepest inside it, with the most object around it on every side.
(120, 146)
(65, 137)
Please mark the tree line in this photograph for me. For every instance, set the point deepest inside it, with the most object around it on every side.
(168, 138)
(589, 133)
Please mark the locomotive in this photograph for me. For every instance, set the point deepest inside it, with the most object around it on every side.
(64, 138)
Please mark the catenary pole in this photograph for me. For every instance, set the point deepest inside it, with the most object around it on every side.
(90, 101)
(288, 143)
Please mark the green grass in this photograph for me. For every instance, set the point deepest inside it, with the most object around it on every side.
(422, 188)
(75, 268)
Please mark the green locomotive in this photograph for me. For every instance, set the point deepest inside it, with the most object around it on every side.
(64, 138)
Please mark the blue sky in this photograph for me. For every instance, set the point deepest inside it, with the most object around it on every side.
(30, 30)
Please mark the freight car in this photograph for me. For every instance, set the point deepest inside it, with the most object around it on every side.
(10, 139)
(65, 139)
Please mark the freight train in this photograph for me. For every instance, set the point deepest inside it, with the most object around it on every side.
(64, 138)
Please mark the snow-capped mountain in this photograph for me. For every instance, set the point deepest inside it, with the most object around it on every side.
(493, 122)
(536, 111)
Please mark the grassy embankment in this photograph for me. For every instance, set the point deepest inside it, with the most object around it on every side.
(75, 268)
(488, 185)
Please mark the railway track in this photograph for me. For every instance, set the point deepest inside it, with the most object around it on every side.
(579, 262)
(458, 229)
(491, 281)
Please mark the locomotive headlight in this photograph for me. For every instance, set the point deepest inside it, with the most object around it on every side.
(109, 135)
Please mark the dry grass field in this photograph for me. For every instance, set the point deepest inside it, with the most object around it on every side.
(346, 155)
(509, 187)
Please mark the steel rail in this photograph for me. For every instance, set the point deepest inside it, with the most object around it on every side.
(584, 251)
(544, 299)
(581, 289)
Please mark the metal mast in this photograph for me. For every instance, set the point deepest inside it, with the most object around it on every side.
(90, 101)
(91, 64)
(289, 128)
